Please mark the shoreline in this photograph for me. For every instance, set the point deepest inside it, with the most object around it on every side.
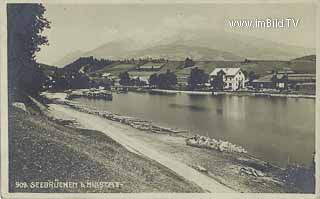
(127, 137)
(234, 93)
(148, 126)
(239, 171)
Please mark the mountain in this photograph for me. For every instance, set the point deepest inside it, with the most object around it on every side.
(201, 45)
(68, 58)
(207, 45)
(241, 45)
(116, 49)
(174, 51)
(180, 52)
(47, 69)
(306, 58)
(86, 64)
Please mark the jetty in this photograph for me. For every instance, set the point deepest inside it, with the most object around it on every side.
(90, 93)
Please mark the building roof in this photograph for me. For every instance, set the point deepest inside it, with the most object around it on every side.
(106, 74)
(227, 71)
(286, 72)
(267, 78)
(302, 77)
(260, 81)
(141, 78)
(151, 65)
(292, 77)
(306, 84)
(145, 79)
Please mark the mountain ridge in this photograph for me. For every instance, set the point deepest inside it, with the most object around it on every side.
(205, 46)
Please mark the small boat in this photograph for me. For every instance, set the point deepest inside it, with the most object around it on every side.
(92, 94)
(122, 90)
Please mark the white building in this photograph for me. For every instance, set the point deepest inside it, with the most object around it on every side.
(233, 78)
(106, 75)
(143, 79)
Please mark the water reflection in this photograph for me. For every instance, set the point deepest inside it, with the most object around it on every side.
(192, 107)
(234, 108)
(269, 128)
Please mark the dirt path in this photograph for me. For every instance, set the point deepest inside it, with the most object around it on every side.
(135, 145)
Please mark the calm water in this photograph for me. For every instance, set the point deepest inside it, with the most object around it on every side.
(272, 129)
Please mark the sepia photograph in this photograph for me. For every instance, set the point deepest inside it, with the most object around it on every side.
(159, 98)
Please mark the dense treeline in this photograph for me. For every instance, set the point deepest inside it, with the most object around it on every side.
(25, 24)
(197, 78)
(87, 64)
(75, 74)
(142, 61)
(189, 62)
(166, 80)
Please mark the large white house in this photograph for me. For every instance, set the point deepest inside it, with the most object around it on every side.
(233, 78)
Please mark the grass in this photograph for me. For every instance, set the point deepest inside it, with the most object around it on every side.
(141, 73)
(123, 67)
(262, 67)
(44, 150)
(258, 66)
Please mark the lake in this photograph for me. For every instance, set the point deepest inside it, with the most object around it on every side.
(278, 130)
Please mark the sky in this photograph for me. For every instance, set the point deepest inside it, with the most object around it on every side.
(85, 27)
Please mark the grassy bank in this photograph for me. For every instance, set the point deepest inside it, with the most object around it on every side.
(43, 150)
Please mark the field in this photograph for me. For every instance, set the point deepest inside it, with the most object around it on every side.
(305, 65)
(261, 67)
(115, 68)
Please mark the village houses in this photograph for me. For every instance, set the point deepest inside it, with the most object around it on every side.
(233, 78)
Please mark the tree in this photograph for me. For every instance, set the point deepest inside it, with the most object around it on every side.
(125, 79)
(188, 62)
(197, 78)
(274, 80)
(246, 60)
(25, 24)
(171, 79)
(153, 80)
(285, 81)
(252, 76)
(217, 82)
(79, 81)
(166, 80)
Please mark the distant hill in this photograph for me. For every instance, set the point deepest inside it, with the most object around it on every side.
(306, 58)
(202, 46)
(115, 50)
(118, 50)
(93, 66)
(47, 69)
(180, 52)
(67, 59)
(261, 67)
(86, 65)
(245, 46)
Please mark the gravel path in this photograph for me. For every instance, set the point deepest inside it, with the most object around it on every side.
(137, 146)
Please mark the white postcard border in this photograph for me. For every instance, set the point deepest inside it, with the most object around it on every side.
(4, 108)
